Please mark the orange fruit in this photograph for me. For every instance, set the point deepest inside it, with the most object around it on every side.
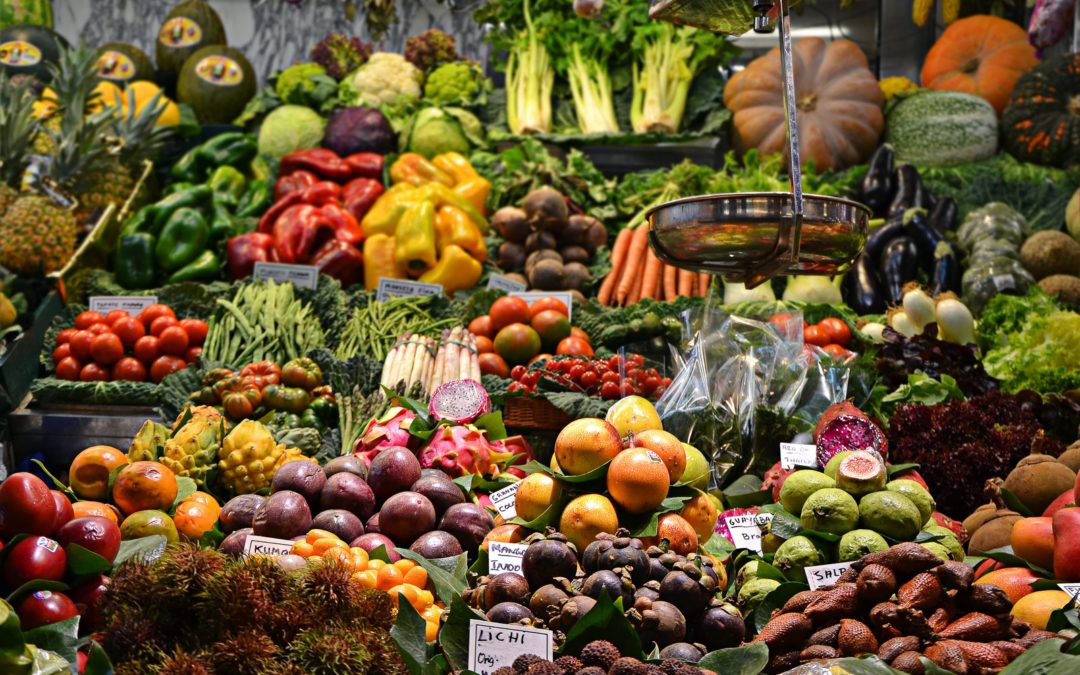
(417, 576)
(142, 486)
(535, 494)
(315, 535)
(679, 533)
(701, 513)
(431, 630)
(203, 498)
(507, 534)
(148, 522)
(585, 444)
(389, 576)
(667, 446)
(1033, 540)
(89, 472)
(1015, 581)
(90, 508)
(194, 519)
(638, 480)
(1036, 607)
(587, 516)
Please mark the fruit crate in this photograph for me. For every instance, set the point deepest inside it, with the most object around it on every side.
(19, 364)
(531, 412)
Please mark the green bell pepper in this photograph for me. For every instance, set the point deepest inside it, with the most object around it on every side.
(206, 267)
(134, 262)
(176, 187)
(228, 184)
(234, 148)
(222, 223)
(189, 169)
(198, 197)
(256, 199)
(310, 419)
(182, 239)
(141, 221)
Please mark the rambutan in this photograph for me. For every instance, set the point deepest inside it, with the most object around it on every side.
(243, 593)
(248, 652)
(183, 663)
(131, 638)
(331, 651)
(377, 610)
(328, 586)
(185, 568)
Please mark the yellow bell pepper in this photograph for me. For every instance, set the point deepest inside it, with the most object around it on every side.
(383, 216)
(444, 196)
(457, 270)
(415, 235)
(414, 169)
(467, 182)
(453, 226)
(379, 260)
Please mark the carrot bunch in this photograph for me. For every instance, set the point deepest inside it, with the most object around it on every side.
(637, 273)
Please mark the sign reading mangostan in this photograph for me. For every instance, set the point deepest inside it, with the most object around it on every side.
(495, 645)
(503, 557)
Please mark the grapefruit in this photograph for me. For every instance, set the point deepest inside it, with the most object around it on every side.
(587, 516)
(535, 494)
(633, 414)
(1036, 608)
(638, 480)
(1015, 581)
(585, 444)
(668, 447)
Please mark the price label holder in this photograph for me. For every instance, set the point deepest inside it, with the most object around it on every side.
(301, 276)
(746, 529)
(824, 575)
(132, 304)
(566, 296)
(505, 501)
(396, 288)
(503, 557)
(256, 544)
(1071, 589)
(504, 283)
(496, 645)
(797, 454)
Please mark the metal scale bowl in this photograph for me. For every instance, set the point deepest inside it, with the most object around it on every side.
(751, 237)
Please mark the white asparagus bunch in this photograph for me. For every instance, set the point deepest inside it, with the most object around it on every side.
(457, 359)
(409, 361)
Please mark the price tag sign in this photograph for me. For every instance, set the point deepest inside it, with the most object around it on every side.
(302, 276)
(566, 296)
(1071, 589)
(797, 454)
(395, 288)
(824, 575)
(496, 645)
(746, 530)
(504, 283)
(504, 557)
(132, 304)
(505, 500)
(256, 544)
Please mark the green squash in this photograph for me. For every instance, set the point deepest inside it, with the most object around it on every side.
(191, 25)
(121, 63)
(217, 82)
(941, 128)
(1042, 120)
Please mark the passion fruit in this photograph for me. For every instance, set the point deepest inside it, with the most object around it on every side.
(507, 587)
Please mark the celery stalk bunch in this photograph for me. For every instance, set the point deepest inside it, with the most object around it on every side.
(530, 79)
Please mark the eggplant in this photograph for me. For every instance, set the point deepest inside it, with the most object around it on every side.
(943, 217)
(909, 192)
(862, 291)
(899, 264)
(877, 184)
(946, 274)
(926, 238)
(880, 235)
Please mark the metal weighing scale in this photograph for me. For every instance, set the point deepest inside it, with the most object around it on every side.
(752, 237)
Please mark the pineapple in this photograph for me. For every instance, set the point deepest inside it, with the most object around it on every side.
(17, 129)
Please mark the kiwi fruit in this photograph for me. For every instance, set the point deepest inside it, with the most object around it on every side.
(1037, 480)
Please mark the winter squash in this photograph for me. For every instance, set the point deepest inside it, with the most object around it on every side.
(837, 98)
(1042, 122)
(982, 55)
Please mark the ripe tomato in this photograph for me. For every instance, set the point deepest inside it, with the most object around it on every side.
(99, 329)
(61, 353)
(68, 368)
(484, 344)
(574, 346)
(481, 326)
(507, 310)
(493, 364)
(780, 318)
(92, 372)
(837, 330)
(64, 336)
(87, 319)
(577, 332)
(192, 354)
(152, 312)
(815, 335)
(80, 344)
(172, 340)
(548, 303)
(146, 349)
(610, 390)
(165, 365)
(517, 372)
(129, 330)
(196, 330)
(130, 369)
(106, 349)
(161, 323)
(115, 315)
(837, 352)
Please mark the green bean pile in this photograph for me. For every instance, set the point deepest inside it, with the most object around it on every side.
(373, 329)
(263, 321)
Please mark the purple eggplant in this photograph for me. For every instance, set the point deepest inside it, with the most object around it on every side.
(899, 265)
(862, 291)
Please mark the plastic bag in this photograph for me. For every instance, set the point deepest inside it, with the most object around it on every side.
(993, 221)
(996, 275)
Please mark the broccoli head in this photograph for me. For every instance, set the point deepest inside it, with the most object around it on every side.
(340, 55)
(304, 84)
(430, 49)
(458, 82)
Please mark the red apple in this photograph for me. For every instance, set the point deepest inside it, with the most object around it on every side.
(100, 535)
(26, 506)
(34, 558)
(64, 511)
(87, 596)
(45, 607)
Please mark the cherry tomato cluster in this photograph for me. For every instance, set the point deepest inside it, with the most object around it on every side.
(610, 378)
(118, 346)
(831, 334)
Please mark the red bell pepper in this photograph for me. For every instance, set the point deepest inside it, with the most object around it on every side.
(346, 228)
(244, 250)
(323, 192)
(365, 165)
(266, 223)
(340, 260)
(297, 180)
(299, 232)
(359, 194)
(320, 161)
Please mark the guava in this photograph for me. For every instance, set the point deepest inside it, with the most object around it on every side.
(795, 555)
(799, 486)
(753, 592)
(937, 549)
(746, 573)
(948, 540)
(830, 510)
(918, 495)
(861, 473)
(891, 514)
(857, 543)
(834, 463)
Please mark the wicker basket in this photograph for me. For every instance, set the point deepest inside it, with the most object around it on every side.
(530, 412)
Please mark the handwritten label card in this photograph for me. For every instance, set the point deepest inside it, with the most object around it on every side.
(566, 296)
(797, 454)
(132, 304)
(504, 283)
(394, 288)
(495, 645)
(746, 530)
(505, 500)
(503, 557)
(824, 575)
(302, 276)
(256, 544)
(1071, 589)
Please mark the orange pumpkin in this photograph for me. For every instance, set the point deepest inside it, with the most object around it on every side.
(838, 100)
(981, 55)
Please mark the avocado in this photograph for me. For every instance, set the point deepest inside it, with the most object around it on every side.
(121, 63)
(190, 25)
(217, 82)
(28, 50)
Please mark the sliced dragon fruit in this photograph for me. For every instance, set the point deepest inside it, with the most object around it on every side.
(845, 427)
(459, 401)
(392, 428)
(774, 478)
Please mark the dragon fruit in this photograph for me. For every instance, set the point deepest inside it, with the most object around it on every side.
(460, 450)
(845, 427)
(459, 401)
(955, 526)
(392, 428)
(722, 523)
(774, 478)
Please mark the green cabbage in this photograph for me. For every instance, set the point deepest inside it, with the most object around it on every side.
(289, 128)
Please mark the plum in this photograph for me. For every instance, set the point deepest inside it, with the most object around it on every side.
(406, 516)
(238, 512)
(350, 492)
(339, 521)
(233, 544)
(34, 558)
(393, 470)
(284, 515)
(44, 607)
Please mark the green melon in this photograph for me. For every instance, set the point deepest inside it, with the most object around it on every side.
(191, 25)
(36, 12)
(28, 50)
(942, 128)
(217, 82)
(121, 63)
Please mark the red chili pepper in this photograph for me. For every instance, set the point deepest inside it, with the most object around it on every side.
(266, 223)
(359, 194)
(323, 192)
(365, 165)
(300, 231)
(340, 260)
(346, 228)
(319, 161)
(244, 250)
(297, 180)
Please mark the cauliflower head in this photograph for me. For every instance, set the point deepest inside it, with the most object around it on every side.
(384, 79)
(457, 82)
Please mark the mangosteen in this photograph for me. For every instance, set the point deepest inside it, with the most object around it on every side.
(626, 553)
(547, 559)
(684, 592)
(508, 612)
(650, 591)
(591, 556)
(663, 624)
(507, 587)
(683, 651)
(721, 627)
(573, 609)
(343, 523)
(607, 581)
(546, 600)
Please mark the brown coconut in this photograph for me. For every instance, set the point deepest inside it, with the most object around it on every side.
(1038, 480)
